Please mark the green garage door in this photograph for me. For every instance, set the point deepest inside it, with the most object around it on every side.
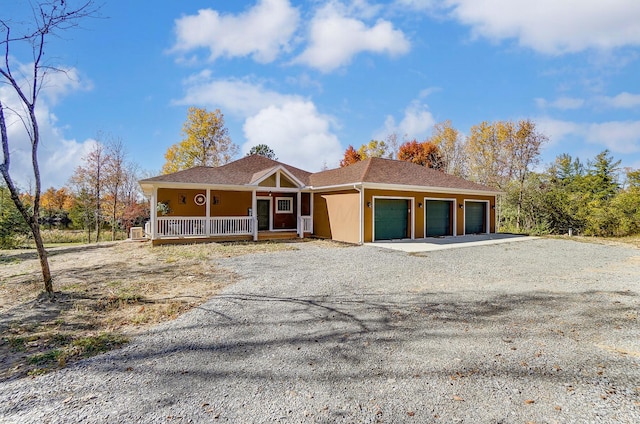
(475, 217)
(438, 218)
(390, 219)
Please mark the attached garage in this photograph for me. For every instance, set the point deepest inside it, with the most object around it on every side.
(391, 219)
(475, 217)
(438, 218)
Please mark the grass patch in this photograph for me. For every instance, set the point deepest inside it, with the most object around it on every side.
(627, 240)
(62, 348)
(45, 358)
(9, 260)
(93, 345)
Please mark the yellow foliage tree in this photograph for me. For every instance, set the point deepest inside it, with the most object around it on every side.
(375, 149)
(451, 146)
(206, 142)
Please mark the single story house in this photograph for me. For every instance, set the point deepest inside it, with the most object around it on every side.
(256, 198)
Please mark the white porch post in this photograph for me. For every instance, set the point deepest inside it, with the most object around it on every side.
(153, 213)
(207, 214)
(362, 211)
(299, 218)
(254, 214)
(311, 210)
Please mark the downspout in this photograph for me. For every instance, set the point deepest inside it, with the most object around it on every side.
(154, 212)
(361, 213)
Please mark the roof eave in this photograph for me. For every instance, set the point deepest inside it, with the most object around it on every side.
(430, 189)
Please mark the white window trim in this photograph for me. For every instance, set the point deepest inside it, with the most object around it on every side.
(289, 199)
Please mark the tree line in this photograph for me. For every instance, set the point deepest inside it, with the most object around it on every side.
(593, 198)
(102, 194)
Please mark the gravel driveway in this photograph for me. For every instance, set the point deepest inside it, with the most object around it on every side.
(537, 331)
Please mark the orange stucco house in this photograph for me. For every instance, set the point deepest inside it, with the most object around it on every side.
(256, 198)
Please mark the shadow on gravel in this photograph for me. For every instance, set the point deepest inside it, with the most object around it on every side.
(254, 337)
(53, 251)
(362, 344)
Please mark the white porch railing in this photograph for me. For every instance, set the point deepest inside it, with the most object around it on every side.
(177, 226)
(231, 226)
(306, 224)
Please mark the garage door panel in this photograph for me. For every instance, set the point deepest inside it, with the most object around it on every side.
(438, 218)
(475, 217)
(391, 219)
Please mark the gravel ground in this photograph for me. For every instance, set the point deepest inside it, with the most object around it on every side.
(538, 331)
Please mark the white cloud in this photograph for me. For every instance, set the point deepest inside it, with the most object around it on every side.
(236, 96)
(290, 124)
(416, 123)
(58, 157)
(335, 37)
(562, 103)
(297, 133)
(552, 26)
(621, 101)
(260, 32)
(620, 137)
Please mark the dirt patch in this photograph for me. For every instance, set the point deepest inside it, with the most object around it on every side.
(105, 293)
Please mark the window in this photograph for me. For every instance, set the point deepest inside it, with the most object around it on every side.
(284, 205)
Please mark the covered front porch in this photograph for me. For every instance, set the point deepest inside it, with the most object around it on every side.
(181, 215)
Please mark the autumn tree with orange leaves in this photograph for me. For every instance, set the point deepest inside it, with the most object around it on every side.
(351, 156)
(425, 154)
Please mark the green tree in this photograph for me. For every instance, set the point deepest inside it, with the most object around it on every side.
(12, 225)
(263, 150)
(206, 142)
(603, 175)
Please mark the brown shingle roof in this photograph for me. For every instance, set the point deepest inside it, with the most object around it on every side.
(394, 172)
(249, 169)
(240, 172)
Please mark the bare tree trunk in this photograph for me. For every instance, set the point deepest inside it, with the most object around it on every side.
(44, 261)
(519, 206)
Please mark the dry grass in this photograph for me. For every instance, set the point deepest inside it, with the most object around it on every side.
(611, 241)
(105, 293)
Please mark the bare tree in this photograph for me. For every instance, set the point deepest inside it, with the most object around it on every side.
(115, 178)
(49, 18)
(91, 177)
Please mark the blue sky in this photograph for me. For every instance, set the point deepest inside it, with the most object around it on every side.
(308, 78)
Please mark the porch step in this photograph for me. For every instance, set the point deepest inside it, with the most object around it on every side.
(277, 235)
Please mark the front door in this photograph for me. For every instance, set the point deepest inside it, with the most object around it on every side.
(264, 214)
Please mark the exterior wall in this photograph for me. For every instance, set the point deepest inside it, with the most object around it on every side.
(230, 203)
(419, 212)
(223, 203)
(282, 221)
(336, 215)
(181, 201)
(269, 181)
(306, 204)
